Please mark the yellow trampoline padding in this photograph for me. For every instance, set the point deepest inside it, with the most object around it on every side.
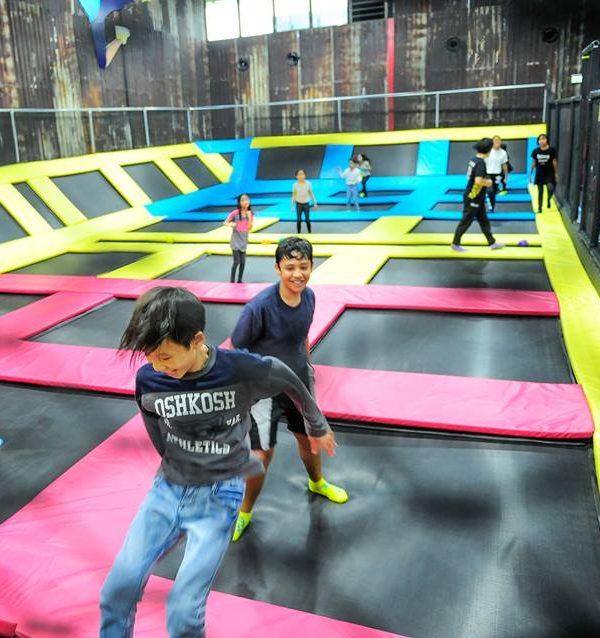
(127, 187)
(22, 211)
(167, 257)
(217, 164)
(57, 201)
(163, 260)
(402, 137)
(29, 250)
(176, 175)
(476, 239)
(83, 163)
(351, 265)
(579, 310)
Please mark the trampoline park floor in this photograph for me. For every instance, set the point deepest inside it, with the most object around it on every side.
(483, 346)
(90, 264)
(218, 268)
(91, 328)
(449, 226)
(445, 535)
(507, 546)
(526, 274)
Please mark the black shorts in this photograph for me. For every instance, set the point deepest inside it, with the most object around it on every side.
(266, 415)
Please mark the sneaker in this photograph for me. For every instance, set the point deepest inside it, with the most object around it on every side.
(328, 490)
(496, 245)
(362, 195)
(458, 248)
(503, 193)
(243, 520)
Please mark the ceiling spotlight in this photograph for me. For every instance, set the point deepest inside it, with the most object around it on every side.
(550, 35)
(453, 44)
(243, 64)
(292, 58)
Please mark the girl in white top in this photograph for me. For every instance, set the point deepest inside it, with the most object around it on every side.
(497, 169)
(353, 177)
(302, 195)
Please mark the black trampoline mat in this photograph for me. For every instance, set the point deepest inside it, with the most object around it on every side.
(512, 191)
(180, 227)
(9, 228)
(449, 226)
(46, 431)
(91, 193)
(228, 157)
(39, 204)
(501, 207)
(526, 274)
(258, 270)
(462, 152)
(196, 170)
(282, 163)
(89, 264)
(484, 346)
(390, 160)
(10, 302)
(103, 327)
(362, 204)
(465, 538)
(152, 180)
(377, 193)
(319, 227)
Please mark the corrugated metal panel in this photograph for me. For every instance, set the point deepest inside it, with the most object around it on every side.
(47, 59)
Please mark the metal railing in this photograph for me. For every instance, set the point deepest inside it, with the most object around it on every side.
(251, 120)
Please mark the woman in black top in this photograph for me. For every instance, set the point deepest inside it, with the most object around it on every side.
(545, 163)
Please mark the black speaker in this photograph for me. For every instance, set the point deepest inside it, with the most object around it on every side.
(590, 68)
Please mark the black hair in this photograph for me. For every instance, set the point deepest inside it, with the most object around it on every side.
(294, 248)
(300, 169)
(163, 313)
(239, 206)
(543, 135)
(484, 145)
(365, 158)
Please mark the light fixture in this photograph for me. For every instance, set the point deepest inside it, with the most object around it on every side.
(292, 58)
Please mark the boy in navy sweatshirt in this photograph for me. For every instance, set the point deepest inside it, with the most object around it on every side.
(276, 323)
(195, 403)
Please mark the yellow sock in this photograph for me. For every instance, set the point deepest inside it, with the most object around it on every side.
(243, 520)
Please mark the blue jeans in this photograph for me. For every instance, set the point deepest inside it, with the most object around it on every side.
(206, 514)
(352, 195)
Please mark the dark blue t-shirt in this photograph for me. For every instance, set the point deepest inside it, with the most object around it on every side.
(268, 326)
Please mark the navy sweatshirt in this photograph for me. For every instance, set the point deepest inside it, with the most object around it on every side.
(199, 424)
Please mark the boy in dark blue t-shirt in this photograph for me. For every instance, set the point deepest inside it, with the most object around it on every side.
(195, 402)
(474, 198)
(276, 323)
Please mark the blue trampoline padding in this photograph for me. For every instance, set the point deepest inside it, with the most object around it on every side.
(432, 158)
(336, 156)
(336, 216)
(224, 146)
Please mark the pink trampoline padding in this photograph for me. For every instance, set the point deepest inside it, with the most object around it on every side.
(57, 550)
(47, 312)
(461, 404)
(484, 301)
